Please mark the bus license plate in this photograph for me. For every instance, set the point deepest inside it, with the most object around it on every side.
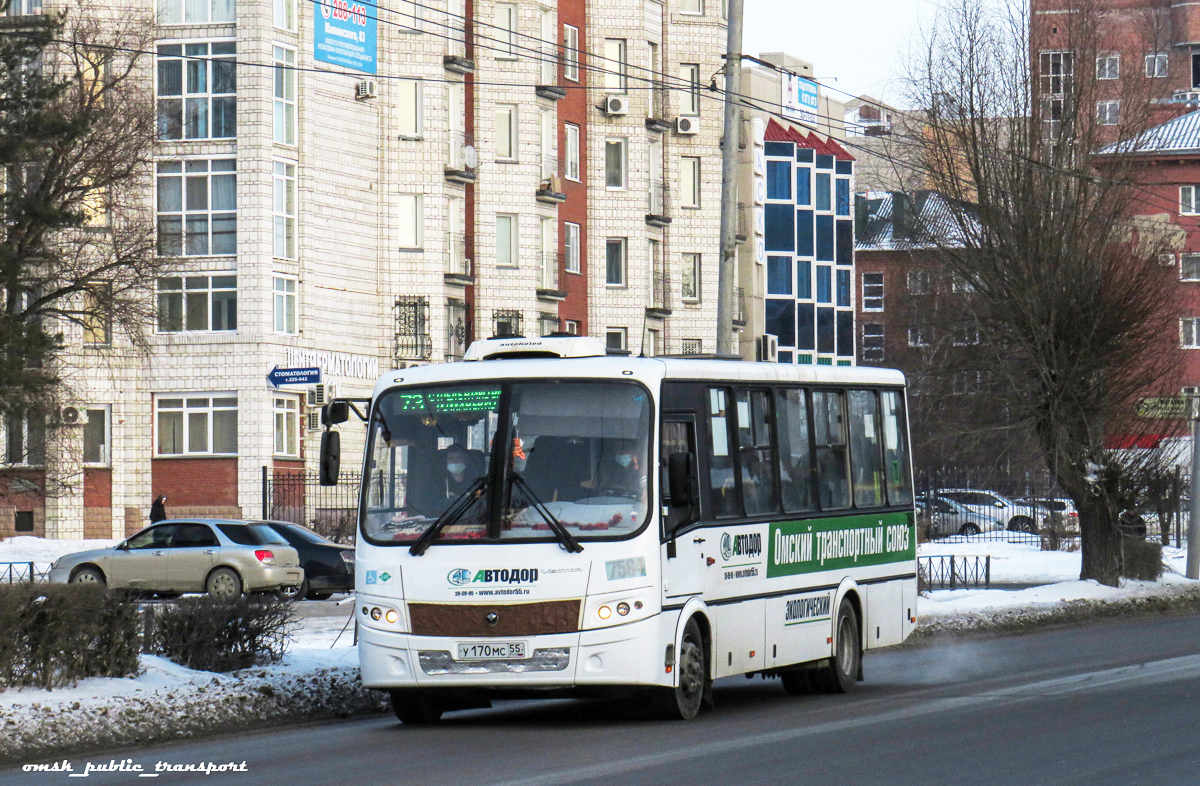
(491, 650)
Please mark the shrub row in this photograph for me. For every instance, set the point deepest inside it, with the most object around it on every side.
(209, 634)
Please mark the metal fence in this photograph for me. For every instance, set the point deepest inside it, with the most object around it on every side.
(299, 497)
(24, 572)
(954, 572)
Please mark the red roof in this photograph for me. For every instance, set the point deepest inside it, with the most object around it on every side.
(776, 132)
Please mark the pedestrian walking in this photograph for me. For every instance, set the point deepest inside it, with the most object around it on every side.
(158, 511)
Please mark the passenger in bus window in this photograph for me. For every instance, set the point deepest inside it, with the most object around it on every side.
(619, 471)
(460, 472)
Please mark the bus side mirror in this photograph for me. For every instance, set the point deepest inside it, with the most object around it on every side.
(679, 479)
(331, 457)
(335, 412)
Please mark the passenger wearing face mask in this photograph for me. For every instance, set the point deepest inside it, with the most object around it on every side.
(458, 476)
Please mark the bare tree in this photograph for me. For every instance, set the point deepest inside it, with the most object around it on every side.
(1067, 298)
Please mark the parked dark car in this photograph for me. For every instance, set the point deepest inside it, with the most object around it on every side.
(328, 566)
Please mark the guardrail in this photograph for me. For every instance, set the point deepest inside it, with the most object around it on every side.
(953, 572)
(24, 573)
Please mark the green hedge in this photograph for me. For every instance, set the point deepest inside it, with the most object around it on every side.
(54, 635)
(209, 634)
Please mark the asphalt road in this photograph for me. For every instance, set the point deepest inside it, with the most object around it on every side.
(1108, 704)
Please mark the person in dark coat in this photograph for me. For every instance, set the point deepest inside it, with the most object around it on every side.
(158, 511)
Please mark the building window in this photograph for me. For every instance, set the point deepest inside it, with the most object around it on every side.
(191, 12)
(1189, 267)
(285, 305)
(689, 97)
(691, 6)
(571, 326)
(966, 336)
(614, 163)
(287, 426)
(691, 277)
(689, 177)
(1189, 336)
(1188, 204)
(872, 292)
(409, 13)
(506, 240)
(457, 319)
(572, 244)
(571, 52)
(1156, 65)
(96, 436)
(967, 383)
(1195, 70)
(615, 66)
(918, 282)
(507, 323)
(25, 440)
(506, 133)
(97, 305)
(409, 105)
(285, 14)
(614, 249)
(285, 210)
(1108, 112)
(1108, 66)
(959, 283)
(197, 86)
(615, 337)
(1057, 70)
(413, 341)
(872, 342)
(692, 346)
(572, 152)
(547, 323)
(197, 208)
(197, 303)
(197, 424)
(24, 8)
(506, 35)
(411, 220)
(285, 96)
(918, 336)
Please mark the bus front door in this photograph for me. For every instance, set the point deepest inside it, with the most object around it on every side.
(684, 546)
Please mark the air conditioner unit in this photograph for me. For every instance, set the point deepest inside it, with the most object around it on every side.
(1166, 260)
(366, 89)
(768, 348)
(314, 420)
(73, 416)
(616, 105)
(687, 126)
(321, 394)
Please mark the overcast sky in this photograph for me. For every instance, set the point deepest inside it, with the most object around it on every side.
(861, 42)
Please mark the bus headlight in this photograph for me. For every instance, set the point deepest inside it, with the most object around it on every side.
(604, 612)
(380, 614)
(619, 608)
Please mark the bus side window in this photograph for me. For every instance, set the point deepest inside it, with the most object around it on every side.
(720, 460)
(833, 466)
(677, 437)
(866, 457)
(895, 449)
(795, 457)
(756, 452)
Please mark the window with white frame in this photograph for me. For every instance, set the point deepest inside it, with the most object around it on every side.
(96, 436)
(201, 303)
(615, 67)
(409, 108)
(1189, 267)
(689, 185)
(572, 152)
(571, 326)
(966, 335)
(192, 12)
(197, 207)
(506, 240)
(506, 35)
(691, 346)
(616, 337)
(1156, 65)
(25, 440)
(614, 262)
(285, 14)
(1188, 203)
(284, 199)
(689, 97)
(196, 424)
(571, 52)
(285, 95)
(197, 90)
(691, 6)
(967, 383)
(918, 282)
(1056, 70)
(408, 15)
(872, 342)
(918, 336)
(1189, 336)
(872, 292)
(287, 425)
(24, 8)
(571, 241)
(410, 224)
(285, 305)
(1108, 112)
(506, 132)
(614, 163)
(1108, 66)
(690, 280)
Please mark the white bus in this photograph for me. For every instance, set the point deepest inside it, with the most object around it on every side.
(545, 520)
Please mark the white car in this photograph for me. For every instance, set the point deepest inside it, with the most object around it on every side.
(1016, 517)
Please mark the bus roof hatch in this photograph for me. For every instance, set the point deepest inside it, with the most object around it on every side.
(544, 347)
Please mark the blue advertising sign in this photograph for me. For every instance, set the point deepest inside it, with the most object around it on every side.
(293, 376)
(345, 34)
(799, 98)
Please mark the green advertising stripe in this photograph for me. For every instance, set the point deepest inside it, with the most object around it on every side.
(805, 622)
(837, 544)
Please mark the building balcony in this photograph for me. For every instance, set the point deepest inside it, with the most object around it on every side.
(547, 285)
(657, 121)
(462, 162)
(660, 292)
(455, 60)
(460, 272)
(656, 209)
(548, 85)
(550, 187)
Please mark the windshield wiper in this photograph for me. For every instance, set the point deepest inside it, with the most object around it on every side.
(568, 540)
(461, 504)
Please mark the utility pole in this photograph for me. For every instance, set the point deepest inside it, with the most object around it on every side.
(729, 172)
(1193, 552)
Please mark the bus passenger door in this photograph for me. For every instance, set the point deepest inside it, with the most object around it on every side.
(684, 543)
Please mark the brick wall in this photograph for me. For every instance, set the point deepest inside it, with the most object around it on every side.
(20, 491)
(199, 486)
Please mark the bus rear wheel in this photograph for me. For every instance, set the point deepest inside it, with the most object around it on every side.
(416, 707)
(683, 701)
(841, 673)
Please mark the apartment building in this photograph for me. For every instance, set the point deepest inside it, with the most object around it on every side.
(361, 188)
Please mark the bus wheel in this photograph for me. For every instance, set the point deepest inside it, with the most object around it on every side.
(683, 701)
(842, 672)
(416, 707)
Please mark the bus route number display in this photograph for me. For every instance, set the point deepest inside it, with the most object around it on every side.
(451, 401)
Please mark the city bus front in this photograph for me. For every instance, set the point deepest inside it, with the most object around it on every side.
(506, 543)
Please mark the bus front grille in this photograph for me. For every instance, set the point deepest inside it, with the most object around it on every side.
(514, 619)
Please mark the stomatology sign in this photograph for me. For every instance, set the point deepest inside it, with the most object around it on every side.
(345, 34)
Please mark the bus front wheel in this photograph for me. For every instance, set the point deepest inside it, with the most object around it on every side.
(416, 707)
(683, 701)
(842, 672)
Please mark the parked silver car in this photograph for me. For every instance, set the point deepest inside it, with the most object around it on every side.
(223, 557)
(1019, 518)
(947, 517)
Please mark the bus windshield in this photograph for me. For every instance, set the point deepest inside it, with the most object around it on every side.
(501, 459)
